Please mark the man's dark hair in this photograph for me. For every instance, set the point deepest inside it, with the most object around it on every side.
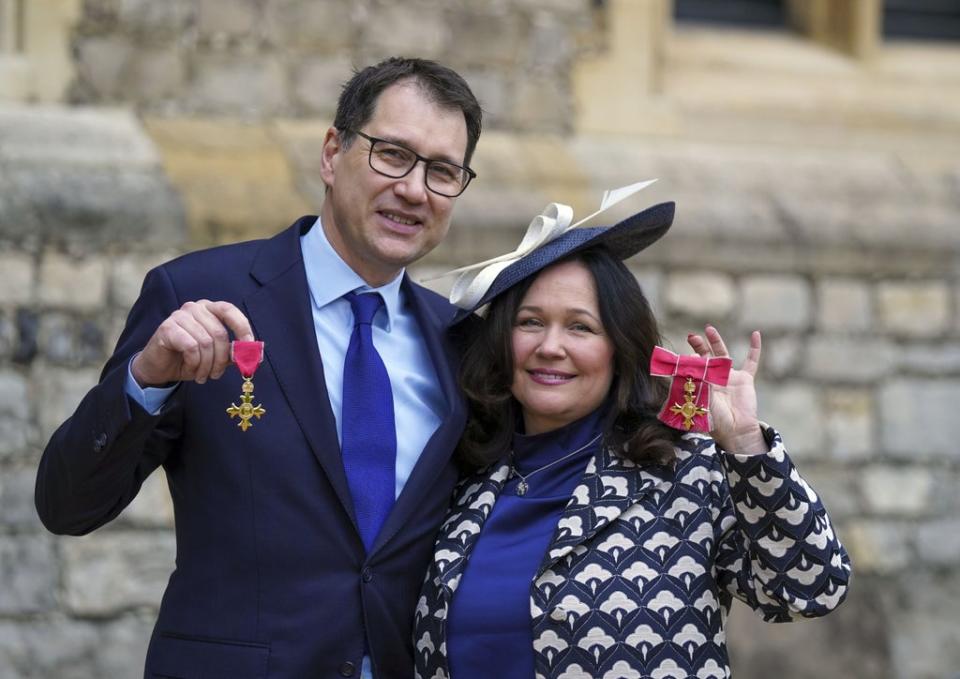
(635, 398)
(442, 85)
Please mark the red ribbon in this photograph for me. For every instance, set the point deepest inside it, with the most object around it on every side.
(701, 371)
(247, 356)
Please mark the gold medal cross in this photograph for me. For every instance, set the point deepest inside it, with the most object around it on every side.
(246, 411)
(688, 409)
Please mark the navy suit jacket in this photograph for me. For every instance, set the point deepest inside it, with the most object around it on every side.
(272, 579)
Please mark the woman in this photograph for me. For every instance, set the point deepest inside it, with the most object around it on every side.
(592, 540)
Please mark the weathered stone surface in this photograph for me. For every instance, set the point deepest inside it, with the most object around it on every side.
(540, 105)
(845, 359)
(17, 285)
(775, 302)
(877, 546)
(794, 410)
(492, 89)
(710, 296)
(849, 424)
(102, 62)
(938, 542)
(484, 35)
(321, 27)
(217, 19)
(897, 490)
(914, 309)
(152, 507)
(73, 283)
(28, 571)
(780, 356)
(156, 75)
(925, 637)
(16, 497)
(935, 360)
(844, 304)
(60, 391)
(391, 29)
(915, 418)
(65, 339)
(112, 571)
(127, 274)
(839, 490)
(14, 412)
(8, 335)
(240, 84)
(317, 82)
(651, 284)
(156, 21)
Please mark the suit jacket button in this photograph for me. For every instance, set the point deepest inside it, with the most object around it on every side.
(347, 669)
(558, 614)
(366, 574)
(99, 443)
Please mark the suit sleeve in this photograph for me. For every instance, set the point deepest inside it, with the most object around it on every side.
(777, 549)
(96, 461)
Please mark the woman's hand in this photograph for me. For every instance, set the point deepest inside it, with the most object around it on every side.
(733, 408)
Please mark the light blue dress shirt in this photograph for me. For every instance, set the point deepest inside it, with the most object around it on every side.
(418, 400)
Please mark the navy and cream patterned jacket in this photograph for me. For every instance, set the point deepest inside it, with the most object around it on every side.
(641, 571)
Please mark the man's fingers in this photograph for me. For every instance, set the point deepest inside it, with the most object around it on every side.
(233, 318)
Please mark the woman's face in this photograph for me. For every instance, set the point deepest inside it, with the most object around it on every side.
(562, 357)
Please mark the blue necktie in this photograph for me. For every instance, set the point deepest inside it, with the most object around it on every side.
(369, 436)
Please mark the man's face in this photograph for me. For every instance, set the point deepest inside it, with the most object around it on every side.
(377, 224)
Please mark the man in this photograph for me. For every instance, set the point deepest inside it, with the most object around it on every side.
(294, 559)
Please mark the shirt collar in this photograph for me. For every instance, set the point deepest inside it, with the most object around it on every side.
(330, 278)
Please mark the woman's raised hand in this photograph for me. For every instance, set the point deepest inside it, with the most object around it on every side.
(733, 408)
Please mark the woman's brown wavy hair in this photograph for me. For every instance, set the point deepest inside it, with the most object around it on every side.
(635, 398)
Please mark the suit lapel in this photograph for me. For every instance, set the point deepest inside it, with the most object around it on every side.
(611, 484)
(280, 311)
(433, 316)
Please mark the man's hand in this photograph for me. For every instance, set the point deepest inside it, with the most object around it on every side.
(192, 344)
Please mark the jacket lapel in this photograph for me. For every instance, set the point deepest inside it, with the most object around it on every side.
(433, 315)
(610, 485)
(281, 315)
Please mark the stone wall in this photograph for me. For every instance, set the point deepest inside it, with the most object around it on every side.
(255, 58)
(818, 201)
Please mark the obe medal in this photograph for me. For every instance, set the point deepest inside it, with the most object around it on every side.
(248, 356)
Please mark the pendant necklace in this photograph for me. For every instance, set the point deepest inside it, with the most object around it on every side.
(523, 486)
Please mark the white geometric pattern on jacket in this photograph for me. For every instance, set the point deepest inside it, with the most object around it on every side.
(640, 574)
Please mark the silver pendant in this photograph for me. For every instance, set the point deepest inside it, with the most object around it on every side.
(522, 488)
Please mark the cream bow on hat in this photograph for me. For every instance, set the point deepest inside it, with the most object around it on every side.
(551, 236)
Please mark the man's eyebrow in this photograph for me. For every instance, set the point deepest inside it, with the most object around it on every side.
(405, 144)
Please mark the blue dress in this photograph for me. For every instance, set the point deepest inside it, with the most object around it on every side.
(489, 631)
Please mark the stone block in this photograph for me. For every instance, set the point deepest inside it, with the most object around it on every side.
(781, 356)
(17, 285)
(102, 62)
(924, 636)
(51, 135)
(708, 296)
(126, 276)
(843, 305)
(551, 44)
(492, 89)
(901, 491)
(317, 82)
(793, 409)
(112, 571)
(152, 21)
(391, 29)
(834, 358)
(915, 418)
(60, 391)
(153, 506)
(156, 75)
(67, 340)
(8, 335)
(849, 424)
(15, 424)
(878, 547)
(914, 309)
(45, 648)
(28, 570)
(220, 19)
(775, 302)
(16, 497)
(838, 488)
(318, 27)
(651, 283)
(68, 282)
(541, 105)
(934, 360)
(484, 34)
(938, 542)
(238, 84)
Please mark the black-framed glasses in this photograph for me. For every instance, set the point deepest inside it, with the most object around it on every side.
(396, 160)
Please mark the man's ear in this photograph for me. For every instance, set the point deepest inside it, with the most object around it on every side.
(329, 155)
